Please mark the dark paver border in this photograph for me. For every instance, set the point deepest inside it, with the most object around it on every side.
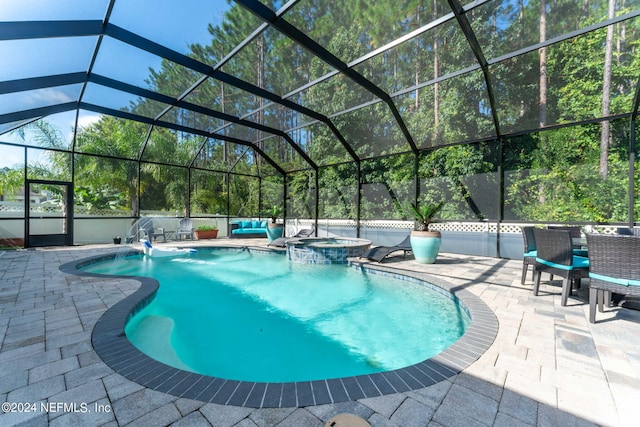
(113, 347)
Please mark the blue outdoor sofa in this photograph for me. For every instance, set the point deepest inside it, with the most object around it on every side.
(253, 228)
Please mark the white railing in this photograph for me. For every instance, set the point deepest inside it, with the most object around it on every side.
(101, 226)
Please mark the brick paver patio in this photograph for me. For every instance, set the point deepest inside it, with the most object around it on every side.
(548, 365)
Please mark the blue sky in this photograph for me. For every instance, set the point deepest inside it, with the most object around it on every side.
(175, 24)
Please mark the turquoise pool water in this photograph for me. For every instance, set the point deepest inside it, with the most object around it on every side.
(244, 316)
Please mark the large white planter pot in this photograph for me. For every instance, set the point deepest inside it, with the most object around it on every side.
(425, 245)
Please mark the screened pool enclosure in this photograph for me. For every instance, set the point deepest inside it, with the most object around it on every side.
(340, 112)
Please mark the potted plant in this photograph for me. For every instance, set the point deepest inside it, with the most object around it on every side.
(274, 228)
(425, 244)
(206, 232)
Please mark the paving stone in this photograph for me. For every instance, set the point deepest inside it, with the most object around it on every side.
(519, 407)
(377, 420)
(118, 387)
(224, 416)
(89, 358)
(52, 369)
(65, 340)
(85, 394)
(164, 415)
(548, 416)
(504, 420)
(246, 423)
(68, 324)
(299, 418)
(26, 328)
(12, 380)
(194, 419)
(447, 416)
(478, 385)
(326, 412)
(186, 406)
(584, 403)
(135, 405)
(385, 405)
(541, 392)
(30, 361)
(64, 331)
(18, 341)
(37, 391)
(27, 320)
(270, 416)
(431, 396)
(94, 417)
(468, 405)
(412, 414)
(79, 376)
(24, 419)
(55, 315)
(76, 349)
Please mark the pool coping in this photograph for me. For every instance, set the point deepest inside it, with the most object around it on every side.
(111, 344)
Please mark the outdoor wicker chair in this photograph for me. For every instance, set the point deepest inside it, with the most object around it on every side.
(573, 230)
(626, 231)
(614, 268)
(530, 253)
(576, 236)
(555, 256)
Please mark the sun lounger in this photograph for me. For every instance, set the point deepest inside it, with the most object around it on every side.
(379, 253)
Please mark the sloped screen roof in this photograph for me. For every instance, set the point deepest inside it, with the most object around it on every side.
(309, 83)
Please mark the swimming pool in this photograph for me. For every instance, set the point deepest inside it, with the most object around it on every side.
(237, 315)
(116, 351)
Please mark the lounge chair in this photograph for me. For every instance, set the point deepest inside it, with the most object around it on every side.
(281, 242)
(185, 228)
(152, 233)
(381, 252)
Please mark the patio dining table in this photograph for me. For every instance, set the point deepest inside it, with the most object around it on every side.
(580, 246)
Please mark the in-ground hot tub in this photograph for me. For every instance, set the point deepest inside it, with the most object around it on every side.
(325, 250)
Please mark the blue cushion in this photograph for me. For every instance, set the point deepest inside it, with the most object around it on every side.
(616, 280)
(581, 252)
(263, 224)
(578, 262)
(255, 224)
(245, 224)
(249, 231)
(531, 253)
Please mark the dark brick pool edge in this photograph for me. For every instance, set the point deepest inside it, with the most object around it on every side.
(113, 347)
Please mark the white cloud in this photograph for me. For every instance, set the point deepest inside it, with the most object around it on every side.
(86, 119)
(49, 96)
(11, 159)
